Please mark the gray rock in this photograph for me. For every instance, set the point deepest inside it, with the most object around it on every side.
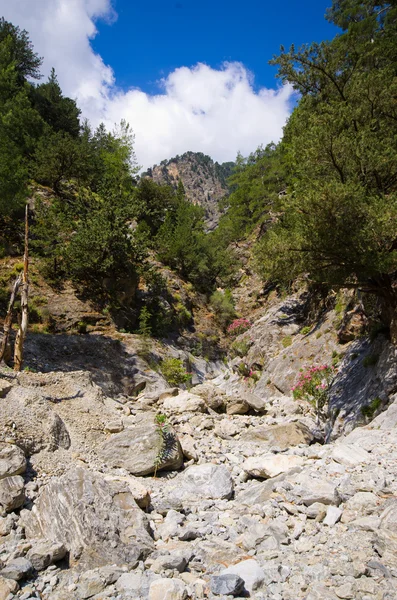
(45, 553)
(142, 449)
(203, 481)
(17, 569)
(236, 406)
(12, 492)
(12, 460)
(4, 388)
(350, 455)
(310, 489)
(229, 585)
(257, 403)
(283, 436)
(174, 561)
(99, 522)
(189, 447)
(37, 425)
(320, 592)
(184, 402)
(249, 571)
(213, 396)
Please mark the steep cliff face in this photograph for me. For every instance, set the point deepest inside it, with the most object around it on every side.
(204, 180)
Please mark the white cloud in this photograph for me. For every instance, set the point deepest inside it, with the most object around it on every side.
(216, 111)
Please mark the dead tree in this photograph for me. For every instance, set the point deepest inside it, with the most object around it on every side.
(8, 321)
(23, 325)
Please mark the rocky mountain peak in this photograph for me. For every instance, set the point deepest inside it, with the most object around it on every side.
(204, 180)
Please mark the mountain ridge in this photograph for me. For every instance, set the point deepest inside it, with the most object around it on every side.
(204, 180)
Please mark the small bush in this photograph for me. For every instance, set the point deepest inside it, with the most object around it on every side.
(223, 306)
(370, 409)
(174, 371)
(240, 348)
(287, 341)
(184, 316)
(305, 330)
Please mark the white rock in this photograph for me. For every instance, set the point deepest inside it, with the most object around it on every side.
(271, 465)
(333, 515)
(202, 481)
(250, 571)
(167, 589)
(184, 402)
(350, 455)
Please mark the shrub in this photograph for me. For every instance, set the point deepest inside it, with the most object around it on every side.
(174, 371)
(305, 330)
(240, 348)
(223, 306)
(370, 409)
(238, 326)
(287, 341)
(314, 385)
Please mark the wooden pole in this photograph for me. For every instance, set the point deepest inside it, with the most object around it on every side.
(8, 320)
(23, 327)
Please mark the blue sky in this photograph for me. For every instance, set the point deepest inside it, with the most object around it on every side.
(150, 39)
(186, 75)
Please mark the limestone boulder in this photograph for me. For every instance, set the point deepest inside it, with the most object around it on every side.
(97, 521)
(143, 449)
(206, 481)
(255, 402)
(12, 460)
(214, 397)
(310, 488)
(28, 417)
(250, 572)
(168, 589)
(350, 455)
(12, 493)
(43, 554)
(283, 436)
(271, 465)
(184, 402)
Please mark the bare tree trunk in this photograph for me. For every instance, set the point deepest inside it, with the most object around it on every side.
(23, 327)
(8, 320)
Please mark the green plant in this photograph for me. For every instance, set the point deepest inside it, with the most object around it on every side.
(240, 348)
(286, 341)
(223, 306)
(370, 360)
(144, 322)
(370, 409)
(163, 429)
(244, 370)
(174, 371)
(318, 335)
(305, 330)
(184, 316)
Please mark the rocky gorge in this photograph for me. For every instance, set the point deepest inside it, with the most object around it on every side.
(124, 487)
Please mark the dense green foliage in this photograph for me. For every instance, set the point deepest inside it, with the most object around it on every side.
(339, 219)
(326, 196)
(99, 224)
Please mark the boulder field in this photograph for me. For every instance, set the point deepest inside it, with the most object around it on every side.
(101, 499)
